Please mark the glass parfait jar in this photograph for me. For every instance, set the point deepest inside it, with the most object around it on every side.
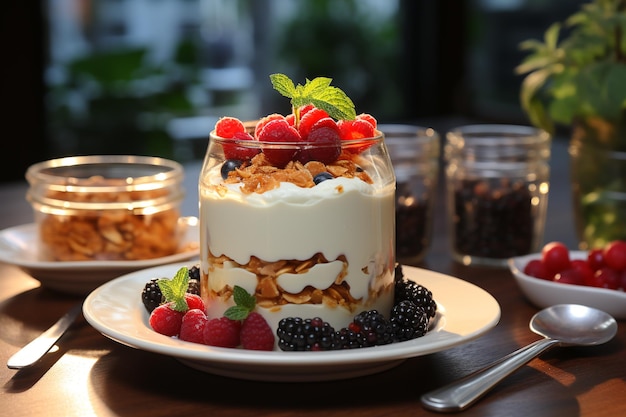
(497, 189)
(106, 207)
(306, 238)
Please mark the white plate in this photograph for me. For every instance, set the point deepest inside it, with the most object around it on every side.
(544, 293)
(18, 246)
(465, 312)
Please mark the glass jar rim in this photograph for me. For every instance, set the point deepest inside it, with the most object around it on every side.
(258, 144)
(154, 172)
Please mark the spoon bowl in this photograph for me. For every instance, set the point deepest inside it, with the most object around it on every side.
(562, 325)
(574, 325)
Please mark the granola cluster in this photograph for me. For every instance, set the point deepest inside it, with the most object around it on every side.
(269, 294)
(259, 175)
(108, 234)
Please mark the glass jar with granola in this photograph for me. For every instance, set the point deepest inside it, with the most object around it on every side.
(106, 207)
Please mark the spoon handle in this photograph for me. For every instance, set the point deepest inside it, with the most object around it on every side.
(462, 393)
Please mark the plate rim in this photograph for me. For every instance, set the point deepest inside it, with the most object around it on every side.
(33, 265)
(209, 354)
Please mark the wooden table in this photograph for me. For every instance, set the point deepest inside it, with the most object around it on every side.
(92, 375)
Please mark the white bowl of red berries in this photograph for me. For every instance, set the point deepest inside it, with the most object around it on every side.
(557, 275)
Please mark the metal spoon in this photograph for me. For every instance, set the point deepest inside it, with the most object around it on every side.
(563, 325)
(38, 347)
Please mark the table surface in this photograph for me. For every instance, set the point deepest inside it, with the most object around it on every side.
(90, 374)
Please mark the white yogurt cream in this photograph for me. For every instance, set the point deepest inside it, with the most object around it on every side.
(348, 221)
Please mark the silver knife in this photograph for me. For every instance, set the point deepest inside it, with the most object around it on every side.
(35, 350)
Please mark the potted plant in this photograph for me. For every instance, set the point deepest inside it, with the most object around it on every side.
(579, 82)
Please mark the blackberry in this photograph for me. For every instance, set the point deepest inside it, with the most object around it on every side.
(418, 294)
(297, 334)
(346, 338)
(151, 296)
(194, 287)
(408, 321)
(194, 272)
(375, 328)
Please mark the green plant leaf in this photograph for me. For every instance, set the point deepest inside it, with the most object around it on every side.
(174, 289)
(318, 92)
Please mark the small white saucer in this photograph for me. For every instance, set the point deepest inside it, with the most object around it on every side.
(18, 246)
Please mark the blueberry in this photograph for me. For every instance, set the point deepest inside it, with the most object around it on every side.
(230, 165)
(322, 176)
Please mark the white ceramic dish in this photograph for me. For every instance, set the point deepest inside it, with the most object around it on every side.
(18, 246)
(465, 312)
(543, 293)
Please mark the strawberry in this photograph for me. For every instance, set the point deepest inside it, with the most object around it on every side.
(192, 326)
(256, 334)
(165, 320)
(222, 332)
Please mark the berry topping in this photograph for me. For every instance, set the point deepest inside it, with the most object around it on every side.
(368, 118)
(237, 149)
(265, 120)
(279, 131)
(256, 334)
(310, 119)
(226, 127)
(355, 129)
(228, 166)
(322, 176)
(222, 332)
(327, 145)
(192, 326)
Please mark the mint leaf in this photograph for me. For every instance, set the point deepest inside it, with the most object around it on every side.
(174, 289)
(318, 92)
(244, 304)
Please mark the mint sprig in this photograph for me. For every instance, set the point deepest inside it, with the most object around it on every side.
(318, 92)
(174, 289)
(244, 304)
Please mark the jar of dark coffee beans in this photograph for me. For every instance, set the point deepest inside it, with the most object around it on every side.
(415, 153)
(497, 189)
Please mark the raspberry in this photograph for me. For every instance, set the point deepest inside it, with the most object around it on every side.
(326, 144)
(309, 120)
(166, 321)
(256, 334)
(355, 129)
(264, 121)
(194, 301)
(192, 326)
(222, 332)
(226, 127)
(238, 151)
(368, 118)
(278, 131)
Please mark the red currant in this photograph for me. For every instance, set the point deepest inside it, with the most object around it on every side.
(536, 268)
(595, 258)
